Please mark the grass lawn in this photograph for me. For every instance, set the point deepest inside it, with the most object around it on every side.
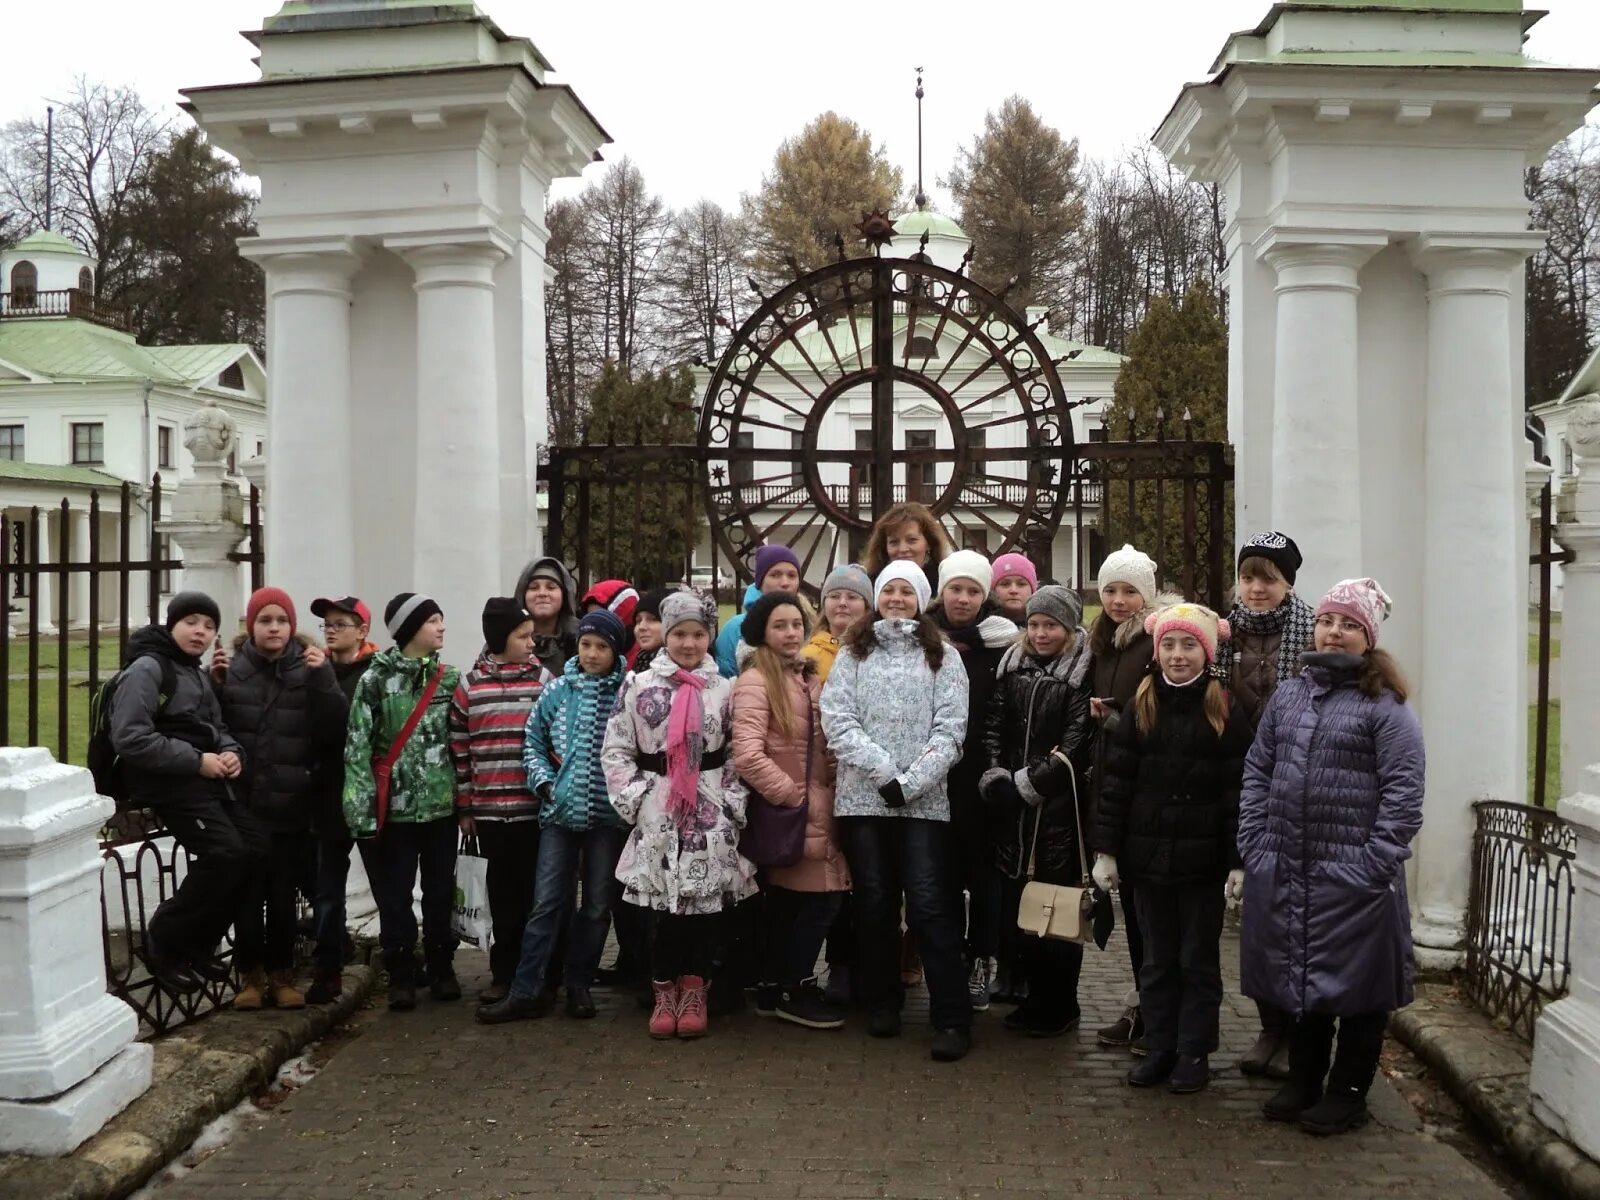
(50, 651)
(1533, 636)
(49, 734)
(1552, 758)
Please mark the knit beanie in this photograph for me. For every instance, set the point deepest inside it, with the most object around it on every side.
(650, 602)
(1196, 619)
(602, 622)
(770, 556)
(678, 608)
(1016, 564)
(1278, 549)
(849, 577)
(754, 629)
(406, 614)
(618, 595)
(262, 597)
(501, 616)
(186, 604)
(1361, 600)
(967, 564)
(1060, 604)
(1132, 567)
(909, 572)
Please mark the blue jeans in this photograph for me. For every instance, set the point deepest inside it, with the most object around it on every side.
(333, 874)
(554, 884)
(892, 857)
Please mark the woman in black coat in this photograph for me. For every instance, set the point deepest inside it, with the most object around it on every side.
(282, 701)
(1036, 738)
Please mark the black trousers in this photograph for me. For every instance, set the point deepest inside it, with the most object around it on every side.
(512, 851)
(683, 945)
(1053, 967)
(403, 851)
(1180, 984)
(264, 927)
(797, 923)
(1355, 1065)
(1133, 932)
(333, 877)
(894, 857)
(226, 845)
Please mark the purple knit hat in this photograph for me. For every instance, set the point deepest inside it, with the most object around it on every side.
(770, 556)
(1361, 600)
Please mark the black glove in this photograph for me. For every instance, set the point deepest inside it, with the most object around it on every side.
(1003, 792)
(544, 791)
(893, 794)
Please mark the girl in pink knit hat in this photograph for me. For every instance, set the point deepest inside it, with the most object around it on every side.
(1167, 823)
(1016, 579)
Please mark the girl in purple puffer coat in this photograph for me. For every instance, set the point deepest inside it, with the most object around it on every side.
(1332, 800)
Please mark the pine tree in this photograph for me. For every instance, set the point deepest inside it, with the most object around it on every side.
(1174, 386)
(1021, 203)
(822, 181)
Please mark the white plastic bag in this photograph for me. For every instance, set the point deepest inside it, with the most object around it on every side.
(471, 920)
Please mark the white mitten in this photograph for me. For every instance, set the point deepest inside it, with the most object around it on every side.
(1105, 873)
(1236, 885)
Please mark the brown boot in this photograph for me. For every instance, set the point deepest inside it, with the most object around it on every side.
(252, 991)
(284, 993)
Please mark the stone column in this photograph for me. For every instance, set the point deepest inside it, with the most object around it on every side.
(1316, 450)
(1579, 532)
(207, 521)
(1474, 496)
(309, 475)
(44, 583)
(1565, 1078)
(455, 528)
(68, 1058)
(78, 603)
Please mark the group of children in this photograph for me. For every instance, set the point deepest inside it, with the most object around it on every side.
(943, 733)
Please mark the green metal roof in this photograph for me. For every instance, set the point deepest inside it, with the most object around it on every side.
(60, 348)
(26, 472)
(45, 241)
(816, 345)
(918, 221)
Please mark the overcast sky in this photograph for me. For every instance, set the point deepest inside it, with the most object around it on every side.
(700, 92)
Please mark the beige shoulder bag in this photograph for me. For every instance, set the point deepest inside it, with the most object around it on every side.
(1051, 910)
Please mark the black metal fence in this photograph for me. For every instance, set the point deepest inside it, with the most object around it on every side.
(1519, 913)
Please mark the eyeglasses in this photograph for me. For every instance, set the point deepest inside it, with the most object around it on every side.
(338, 626)
(1343, 624)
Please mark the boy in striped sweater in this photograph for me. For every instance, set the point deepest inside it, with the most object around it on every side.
(488, 712)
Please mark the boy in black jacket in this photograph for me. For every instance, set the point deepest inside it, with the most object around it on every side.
(179, 759)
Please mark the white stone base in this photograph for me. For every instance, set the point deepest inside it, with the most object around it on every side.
(1566, 1073)
(1438, 945)
(62, 1123)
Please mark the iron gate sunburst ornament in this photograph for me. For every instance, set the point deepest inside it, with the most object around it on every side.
(866, 338)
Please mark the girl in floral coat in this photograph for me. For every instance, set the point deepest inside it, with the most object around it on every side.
(665, 761)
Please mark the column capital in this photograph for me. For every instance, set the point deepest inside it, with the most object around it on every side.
(1468, 263)
(308, 266)
(452, 258)
(1317, 259)
(1583, 435)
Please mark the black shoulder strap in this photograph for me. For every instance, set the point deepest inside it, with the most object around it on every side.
(169, 681)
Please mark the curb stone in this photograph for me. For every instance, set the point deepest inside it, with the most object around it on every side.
(1486, 1070)
(201, 1071)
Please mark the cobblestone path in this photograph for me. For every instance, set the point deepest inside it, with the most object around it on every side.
(430, 1103)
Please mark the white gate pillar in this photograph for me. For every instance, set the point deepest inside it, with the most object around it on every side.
(207, 521)
(68, 1058)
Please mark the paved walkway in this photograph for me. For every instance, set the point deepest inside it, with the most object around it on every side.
(431, 1103)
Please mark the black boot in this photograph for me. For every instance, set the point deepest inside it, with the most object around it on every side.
(1154, 1069)
(580, 1002)
(514, 1008)
(951, 1045)
(443, 984)
(1292, 1100)
(402, 982)
(169, 970)
(1339, 1111)
(1191, 1074)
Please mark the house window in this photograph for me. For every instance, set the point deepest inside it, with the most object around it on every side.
(260, 447)
(24, 285)
(797, 447)
(233, 462)
(1097, 433)
(977, 439)
(1567, 465)
(86, 281)
(166, 438)
(742, 470)
(920, 477)
(232, 377)
(11, 443)
(89, 443)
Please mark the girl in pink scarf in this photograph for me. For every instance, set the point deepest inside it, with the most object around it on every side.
(664, 758)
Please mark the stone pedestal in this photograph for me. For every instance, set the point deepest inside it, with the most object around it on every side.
(207, 521)
(68, 1059)
(1566, 1047)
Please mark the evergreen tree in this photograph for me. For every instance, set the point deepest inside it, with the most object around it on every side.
(822, 181)
(1021, 203)
(1557, 342)
(1177, 366)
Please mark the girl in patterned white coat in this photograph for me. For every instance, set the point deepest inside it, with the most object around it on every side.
(664, 758)
(895, 714)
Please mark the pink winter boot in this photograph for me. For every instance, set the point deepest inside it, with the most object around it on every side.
(691, 1007)
(664, 1016)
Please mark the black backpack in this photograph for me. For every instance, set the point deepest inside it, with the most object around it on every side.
(105, 764)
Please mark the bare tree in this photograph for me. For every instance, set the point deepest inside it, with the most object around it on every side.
(624, 227)
(702, 281)
(569, 363)
(104, 139)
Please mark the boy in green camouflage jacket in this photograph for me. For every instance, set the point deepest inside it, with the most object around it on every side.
(416, 828)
